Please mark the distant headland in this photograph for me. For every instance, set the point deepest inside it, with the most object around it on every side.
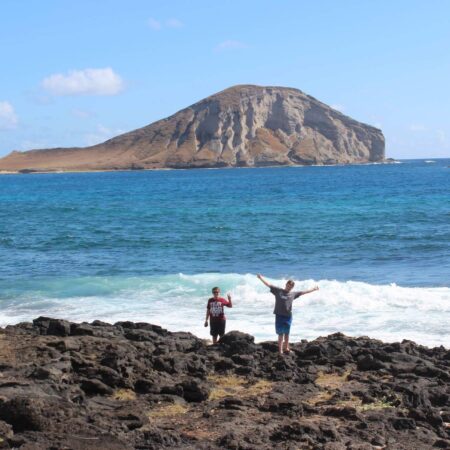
(242, 126)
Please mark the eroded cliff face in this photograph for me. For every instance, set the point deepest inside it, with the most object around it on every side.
(241, 126)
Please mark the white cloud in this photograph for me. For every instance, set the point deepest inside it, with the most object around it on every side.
(174, 23)
(169, 23)
(417, 127)
(101, 134)
(8, 117)
(230, 45)
(84, 82)
(154, 24)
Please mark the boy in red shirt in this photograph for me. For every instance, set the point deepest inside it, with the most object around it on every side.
(214, 311)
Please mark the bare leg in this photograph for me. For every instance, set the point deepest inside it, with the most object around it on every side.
(214, 339)
(280, 344)
(286, 343)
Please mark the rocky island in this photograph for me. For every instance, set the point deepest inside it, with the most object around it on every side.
(137, 386)
(243, 126)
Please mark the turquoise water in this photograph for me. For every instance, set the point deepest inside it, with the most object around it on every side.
(114, 244)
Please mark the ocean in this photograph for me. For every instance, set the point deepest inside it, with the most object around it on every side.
(150, 245)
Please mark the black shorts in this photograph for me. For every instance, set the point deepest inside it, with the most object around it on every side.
(217, 327)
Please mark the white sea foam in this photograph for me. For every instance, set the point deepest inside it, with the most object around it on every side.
(177, 302)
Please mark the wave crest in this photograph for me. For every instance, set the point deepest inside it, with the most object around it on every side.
(177, 302)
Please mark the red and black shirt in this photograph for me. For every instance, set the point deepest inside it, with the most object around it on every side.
(215, 308)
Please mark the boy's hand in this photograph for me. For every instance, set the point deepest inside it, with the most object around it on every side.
(206, 323)
(259, 275)
(316, 288)
(229, 297)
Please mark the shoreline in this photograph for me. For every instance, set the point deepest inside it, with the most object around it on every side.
(208, 340)
(37, 172)
(261, 340)
(136, 385)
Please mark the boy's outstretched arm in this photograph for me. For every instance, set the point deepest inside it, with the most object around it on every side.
(264, 281)
(315, 288)
(230, 303)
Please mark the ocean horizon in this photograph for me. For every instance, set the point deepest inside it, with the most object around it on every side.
(150, 245)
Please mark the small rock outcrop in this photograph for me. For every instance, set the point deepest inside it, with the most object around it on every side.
(243, 126)
(137, 386)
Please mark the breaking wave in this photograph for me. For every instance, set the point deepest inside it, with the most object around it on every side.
(177, 302)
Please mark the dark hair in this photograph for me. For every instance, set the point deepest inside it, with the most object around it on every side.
(215, 288)
(291, 282)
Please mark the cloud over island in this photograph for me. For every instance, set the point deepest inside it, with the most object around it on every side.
(8, 117)
(84, 82)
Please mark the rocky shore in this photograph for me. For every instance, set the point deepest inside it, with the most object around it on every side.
(137, 386)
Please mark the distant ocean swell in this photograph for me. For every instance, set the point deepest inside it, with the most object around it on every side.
(177, 302)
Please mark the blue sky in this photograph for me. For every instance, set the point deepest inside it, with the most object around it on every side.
(75, 73)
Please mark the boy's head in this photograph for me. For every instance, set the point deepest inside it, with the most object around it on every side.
(215, 291)
(289, 285)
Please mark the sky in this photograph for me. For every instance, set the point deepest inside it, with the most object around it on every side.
(75, 73)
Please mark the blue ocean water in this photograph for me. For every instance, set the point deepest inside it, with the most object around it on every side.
(149, 245)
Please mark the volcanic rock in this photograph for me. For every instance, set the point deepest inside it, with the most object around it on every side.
(137, 386)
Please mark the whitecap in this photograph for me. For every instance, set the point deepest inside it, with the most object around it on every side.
(177, 302)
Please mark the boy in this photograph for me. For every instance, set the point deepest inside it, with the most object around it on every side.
(214, 311)
(283, 310)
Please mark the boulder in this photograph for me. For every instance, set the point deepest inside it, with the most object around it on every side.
(55, 327)
(237, 343)
(368, 362)
(95, 387)
(195, 390)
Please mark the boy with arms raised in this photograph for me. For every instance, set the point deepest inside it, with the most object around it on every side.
(283, 310)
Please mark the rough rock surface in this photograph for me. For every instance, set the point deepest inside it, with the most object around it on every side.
(243, 126)
(138, 386)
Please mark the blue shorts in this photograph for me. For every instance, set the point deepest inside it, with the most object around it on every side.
(282, 324)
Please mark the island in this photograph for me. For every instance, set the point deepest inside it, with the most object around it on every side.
(242, 126)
